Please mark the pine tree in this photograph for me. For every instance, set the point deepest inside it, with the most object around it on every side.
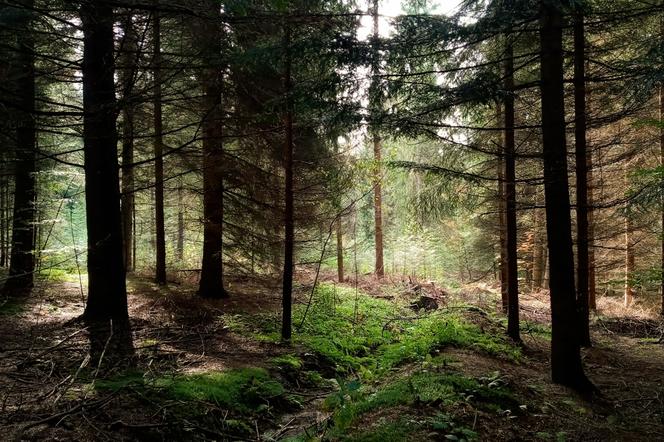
(566, 365)
(106, 313)
(22, 261)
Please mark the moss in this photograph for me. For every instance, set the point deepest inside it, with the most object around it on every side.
(427, 388)
(400, 430)
(359, 333)
(246, 389)
(288, 361)
(11, 307)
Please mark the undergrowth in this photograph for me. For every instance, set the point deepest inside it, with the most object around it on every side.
(424, 389)
(359, 334)
(246, 390)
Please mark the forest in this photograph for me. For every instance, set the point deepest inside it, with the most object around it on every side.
(332, 220)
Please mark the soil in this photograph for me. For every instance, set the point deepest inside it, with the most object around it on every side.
(44, 350)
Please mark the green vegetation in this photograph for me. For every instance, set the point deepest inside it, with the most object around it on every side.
(288, 361)
(356, 333)
(424, 388)
(11, 307)
(246, 390)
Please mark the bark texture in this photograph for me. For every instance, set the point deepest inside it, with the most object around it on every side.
(106, 310)
(566, 365)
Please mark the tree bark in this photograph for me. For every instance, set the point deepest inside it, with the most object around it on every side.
(160, 236)
(289, 225)
(539, 245)
(566, 365)
(340, 251)
(22, 262)
(378, 193)
(3, 213)
(661, 148)
(510, 191)
(106, 312)
(629, 247)
(127, 77)
(582, 265)
(592, 286)
(502, 219)
(211, 284)
(180, 243)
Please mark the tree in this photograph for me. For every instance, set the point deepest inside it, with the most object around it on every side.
(22, 262)
(661, 154)
(211, 284)
(566, 365)
(630, 259)
(106, 313)
(340, 250)
(289, 222)
(512, 271)
(582, 230)
(376, 103)
(160, 237)
(128, 62)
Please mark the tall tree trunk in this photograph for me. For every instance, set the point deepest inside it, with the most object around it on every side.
(8, 224)
(566, 365)
(289, 225)
(661, 147)
(592, 287)
(629, 246)
(22, 263)
(180, 243)
(160, 238)
(539, 246)
(127, 77)
(582, 265)
(211, 284)
(510, 190)
(502, 219)
(3, 212)
(378, 193)
(106, 310)
(340, 250)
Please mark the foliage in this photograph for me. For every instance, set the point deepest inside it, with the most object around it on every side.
(424, 388)
(245, 390)
(358, 334)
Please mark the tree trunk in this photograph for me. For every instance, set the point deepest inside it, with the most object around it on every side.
(592, 287)
(180, 243)
(160, 238)
(582, 265)
(289, 225)
(106, 311)
(211, 284)
(340, 251)
(22, 263)
(502, 220)
(661, 147)
(127, 77)
(510, 193)
(539, 247)
(8, 225)
(566, 365)
(629, 247)
(378, 194)
(3, 212)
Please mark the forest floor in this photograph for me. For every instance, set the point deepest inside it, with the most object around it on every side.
(365, 365)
